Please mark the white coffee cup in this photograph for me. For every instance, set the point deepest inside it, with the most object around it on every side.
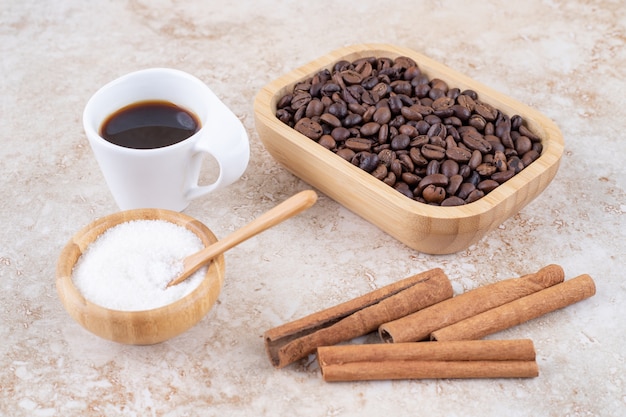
(166, 177)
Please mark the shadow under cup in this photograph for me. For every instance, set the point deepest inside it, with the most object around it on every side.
(166, 177)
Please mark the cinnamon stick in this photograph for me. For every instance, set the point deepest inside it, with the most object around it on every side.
(465, 350)
(292, 341)
(519, 311)
(419, 325)
(429, 360)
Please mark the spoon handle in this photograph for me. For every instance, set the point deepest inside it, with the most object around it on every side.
(288, 208)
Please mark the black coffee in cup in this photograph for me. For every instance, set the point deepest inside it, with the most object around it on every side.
(149, 125)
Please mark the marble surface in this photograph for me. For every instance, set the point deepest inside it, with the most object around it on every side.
(566, 59)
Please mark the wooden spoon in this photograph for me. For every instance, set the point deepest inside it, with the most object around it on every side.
(288, 208)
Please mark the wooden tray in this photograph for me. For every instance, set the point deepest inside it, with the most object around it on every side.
(428, 229)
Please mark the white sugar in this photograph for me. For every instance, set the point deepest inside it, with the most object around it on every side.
(129, 266)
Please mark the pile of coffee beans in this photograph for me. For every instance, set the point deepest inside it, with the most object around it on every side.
(433, 143)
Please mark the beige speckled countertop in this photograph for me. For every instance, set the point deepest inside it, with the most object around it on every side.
(566, 59)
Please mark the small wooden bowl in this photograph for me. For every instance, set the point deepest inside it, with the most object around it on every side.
(428, 229)
(138, 327)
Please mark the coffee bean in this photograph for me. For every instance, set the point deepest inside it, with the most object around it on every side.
(284, 116)
(474, 196)
(411, 132)
(353, 119)
(396, 168)
(523, 130)
(489, 129)
(486, 170)
(523, 144)
(299, 114)
(369, 82)
(363, 66)
(419, 141)
(454, 183)
(330, 119)
(351, 77)
(503, 176)
(383, 134)
(400, 141)
(476, 141)
(329, 88)
(370, 129)
(408, 130)
(417, 157)
(358, 144)
(309, 128)
(410, 178)
(474, 178)
(386, 156)
(459, 154)
(471, 93)
(314, 108)
(430, 151)
(339, 109)
(440, 84)
(475, 159)
(412, 72)
(452, 201)
(515, 163)
(379, 91)
(529, 157)
(495, 142)
(327, 141)
(433, 168)
(382, 115)
(438, 129)
(487, 185)
(301, 99)
(477, 121)
(369, 113)
(437, 141)
(442, 103)
(450, 142)
(407, 163)
(439, 180)
(404, 188)
(340, 134)
(395, 104)
(369, 97)
(346, 154)
(367, 161)
(380, 172)
(352, 107)
(465, 171)
(390, 179)
(465, 189)
(284, 101)
(449, 168)
(499, 161)
(466, 101)
(402, 87)
(434, 194)
(421, 90)
(409, 113)
(487, 111)
(431, 119)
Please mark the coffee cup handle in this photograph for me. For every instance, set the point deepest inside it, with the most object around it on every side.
(228, 144)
